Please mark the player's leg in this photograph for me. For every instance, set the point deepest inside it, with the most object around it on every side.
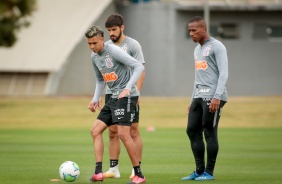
(114, 147)
(194, 131)
(123, 114)
(136, 136)
(210, 123)
(114, 151)
(97, 130)
(124, 135)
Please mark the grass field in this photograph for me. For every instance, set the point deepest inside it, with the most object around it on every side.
(38, 134)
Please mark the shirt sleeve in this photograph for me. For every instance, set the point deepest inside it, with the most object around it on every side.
(137, 52)
(100, 83)
(129, 61)
(222, 64)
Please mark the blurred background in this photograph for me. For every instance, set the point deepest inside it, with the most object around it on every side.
(43, 51)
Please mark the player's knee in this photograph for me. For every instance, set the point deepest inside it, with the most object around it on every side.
(93, 132)
(134, 130)
(113, 134)
(123, 136)
(210, 135)
(134, 133)
(188, 131)
(193, 134)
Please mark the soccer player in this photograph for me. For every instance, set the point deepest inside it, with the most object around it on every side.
(208, 98)
(115, 27)
(111, 66)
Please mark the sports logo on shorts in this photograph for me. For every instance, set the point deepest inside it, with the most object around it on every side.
(207, 99)
(109, 62)
(119, 112)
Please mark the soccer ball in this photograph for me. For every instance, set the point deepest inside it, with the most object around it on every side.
(69, 171)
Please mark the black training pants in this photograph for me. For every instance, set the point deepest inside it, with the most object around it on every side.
(200, 121)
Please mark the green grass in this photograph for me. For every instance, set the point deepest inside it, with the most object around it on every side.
(38, 135)
(246, 155)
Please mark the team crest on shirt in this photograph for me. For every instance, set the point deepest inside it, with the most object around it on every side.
(109, 63)
(206, 51)
(124, 47)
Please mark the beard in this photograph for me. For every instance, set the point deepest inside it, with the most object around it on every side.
(116, 39)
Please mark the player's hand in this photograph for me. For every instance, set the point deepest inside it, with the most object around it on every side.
(214, 106)
(188, 109)
(124, 93)
(97, 106)
(91, 106)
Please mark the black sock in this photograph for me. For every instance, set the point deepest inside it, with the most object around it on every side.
(98, 168)
(113, 163)
(137, 171)
(200, 170)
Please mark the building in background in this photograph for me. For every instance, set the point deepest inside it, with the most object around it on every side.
(250, 29)
(52, 57)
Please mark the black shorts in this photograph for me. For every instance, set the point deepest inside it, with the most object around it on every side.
(118, 111)
(137, 108)
(136, 117)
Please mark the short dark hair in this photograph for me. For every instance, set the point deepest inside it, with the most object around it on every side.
(114, 20)
(196, 19)
(94, 31)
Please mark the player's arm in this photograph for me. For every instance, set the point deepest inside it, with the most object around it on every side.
(194, 88)
(222, 64)
(129, 61)
(100, 84)
(137, 53)
(140, 81)
(138, 69)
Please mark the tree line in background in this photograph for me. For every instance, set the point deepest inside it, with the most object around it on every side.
(14, 15)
